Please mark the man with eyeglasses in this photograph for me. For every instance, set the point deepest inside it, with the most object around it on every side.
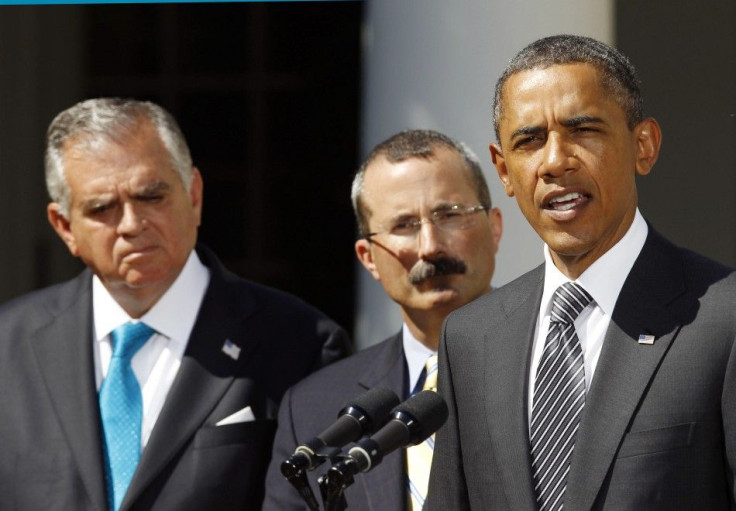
(429, 235)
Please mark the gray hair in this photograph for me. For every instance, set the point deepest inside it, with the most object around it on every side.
(415, 144)
(112, 119)
(619, 77)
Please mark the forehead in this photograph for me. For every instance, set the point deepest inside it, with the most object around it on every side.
(560, 90)
(417, 185)
(98, 156)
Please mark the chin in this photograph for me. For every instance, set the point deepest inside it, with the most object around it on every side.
(444, 298)
(141, 279)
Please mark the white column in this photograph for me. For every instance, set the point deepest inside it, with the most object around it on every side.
(433, 64)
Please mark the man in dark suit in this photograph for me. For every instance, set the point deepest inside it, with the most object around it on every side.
(197, 401)
(605, 378)
(429, 235)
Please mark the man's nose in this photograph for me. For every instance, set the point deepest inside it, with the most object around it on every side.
(430, 240)
(131, 220)
(559, 157)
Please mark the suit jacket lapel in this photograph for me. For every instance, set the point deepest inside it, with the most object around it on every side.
(508, 350)
(63, 351)
(387, 370)
(625, 367)
(205, 372)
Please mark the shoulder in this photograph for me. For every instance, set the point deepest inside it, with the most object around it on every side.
(500, 302)
(699, 267)
(229, 288)
(42, 305)
(661, 259)
(318, 397)
(349, 369)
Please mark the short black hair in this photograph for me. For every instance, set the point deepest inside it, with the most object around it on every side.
(618, 74)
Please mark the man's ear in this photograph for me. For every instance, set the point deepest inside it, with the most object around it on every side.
(62, 227)
(496, 225)
(196, 190)
(649, 141)
(364, 251)
(500, 162)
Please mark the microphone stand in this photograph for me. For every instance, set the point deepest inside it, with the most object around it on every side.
(295, 471)
(335, 481)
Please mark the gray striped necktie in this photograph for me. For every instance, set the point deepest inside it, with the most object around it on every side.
(559, 397)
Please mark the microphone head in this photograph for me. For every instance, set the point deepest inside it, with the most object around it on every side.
(423, 414)
(372, 408)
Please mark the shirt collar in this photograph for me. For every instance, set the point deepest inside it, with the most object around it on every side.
(416, 355)
(172, 316)
(604, 278)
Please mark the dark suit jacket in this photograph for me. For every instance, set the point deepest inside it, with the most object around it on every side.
(658, 429)
(312, 405)
(50, 440)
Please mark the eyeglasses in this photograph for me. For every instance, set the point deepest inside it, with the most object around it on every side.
(453, 218)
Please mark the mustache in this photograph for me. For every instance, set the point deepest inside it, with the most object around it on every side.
(424, 270)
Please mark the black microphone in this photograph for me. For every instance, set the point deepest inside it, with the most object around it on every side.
(412, 422)
(363, 415)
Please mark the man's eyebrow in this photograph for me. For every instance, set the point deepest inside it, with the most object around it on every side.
(153, 188)
(527, 130)
(445, 206)
(573, 122)
(97, 201)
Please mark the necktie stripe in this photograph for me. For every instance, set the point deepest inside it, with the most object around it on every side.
(546, 374)
(578, 294)
(557, 423)
(549, 412)
(552, 439)
(553, 364)
(555, 435)
(553, 385)
(559, 397)
(553, 403)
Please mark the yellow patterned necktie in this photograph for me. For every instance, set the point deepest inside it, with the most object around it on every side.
(419, 457)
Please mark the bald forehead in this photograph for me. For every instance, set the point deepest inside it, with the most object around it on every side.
(440, 158)
(444, 172)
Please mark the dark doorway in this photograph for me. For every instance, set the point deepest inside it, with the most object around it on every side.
(268, 97)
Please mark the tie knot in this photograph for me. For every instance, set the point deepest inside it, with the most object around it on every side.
(568, 302)
(127, 339)
(430, 380)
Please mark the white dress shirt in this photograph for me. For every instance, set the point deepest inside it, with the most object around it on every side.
(603, 280)
(155, 365)
(416, 355)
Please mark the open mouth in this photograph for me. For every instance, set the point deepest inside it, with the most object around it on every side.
(566, 202)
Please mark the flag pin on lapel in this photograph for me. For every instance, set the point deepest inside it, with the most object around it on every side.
(646, 339)
(231, 349)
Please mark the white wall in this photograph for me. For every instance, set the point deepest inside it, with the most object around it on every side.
(433, 64)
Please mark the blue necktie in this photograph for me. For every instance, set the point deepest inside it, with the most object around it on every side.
(121, 408)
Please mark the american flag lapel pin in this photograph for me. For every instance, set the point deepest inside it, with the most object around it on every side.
(646, 339)
(231, 349)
